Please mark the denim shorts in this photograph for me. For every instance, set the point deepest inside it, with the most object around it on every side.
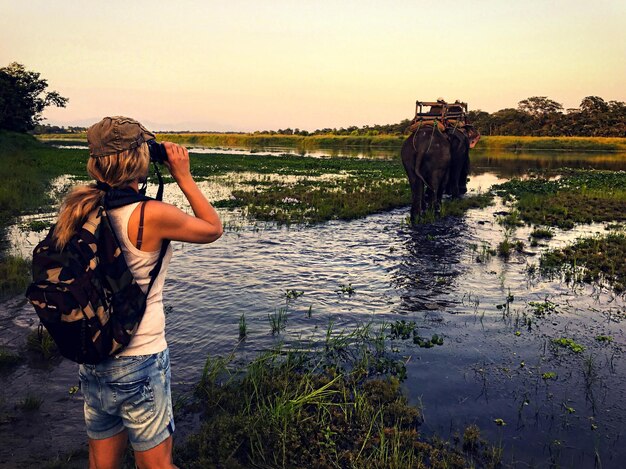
(131, 393)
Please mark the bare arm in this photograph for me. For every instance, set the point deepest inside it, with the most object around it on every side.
(171, 222)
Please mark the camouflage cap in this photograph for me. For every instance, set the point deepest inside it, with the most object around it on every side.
(115, 134)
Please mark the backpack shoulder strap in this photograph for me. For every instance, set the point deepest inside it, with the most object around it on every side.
(157, 268)
(140, 232)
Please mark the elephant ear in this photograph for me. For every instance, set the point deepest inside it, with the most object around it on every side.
(473, 135)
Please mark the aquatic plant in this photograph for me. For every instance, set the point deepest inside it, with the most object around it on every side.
(541, 308)
(8, 359)
(588, 260)
(40, 342)
(243, 328)
(278, 320)
(316, 409)
(576, 196)
(402, 329)
(604, 338)
(346, 289)
(568, 343)
(427, 343)
(293, 294)
(548, 375)
(542, 233)
(506, 306)
(14, 275)
(30, 403)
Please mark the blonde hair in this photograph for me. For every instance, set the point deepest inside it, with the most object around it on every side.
(117, 170)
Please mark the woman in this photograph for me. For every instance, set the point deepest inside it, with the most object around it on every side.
(127, 397)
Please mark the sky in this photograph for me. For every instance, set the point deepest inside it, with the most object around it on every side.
(242, 65)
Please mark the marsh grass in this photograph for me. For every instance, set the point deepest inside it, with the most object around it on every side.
(40, 342)
(278, 320)
(27, 169)
(324, 408)
(15, 275)
(509, 143)
(243, 327)
(576, 196)
(8, 359)
(30, 403)
(589, 260)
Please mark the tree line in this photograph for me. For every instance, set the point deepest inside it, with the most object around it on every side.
(23, 97)
(536, 116)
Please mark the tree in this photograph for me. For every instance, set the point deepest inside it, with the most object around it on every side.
(539, 106)
(23, 97)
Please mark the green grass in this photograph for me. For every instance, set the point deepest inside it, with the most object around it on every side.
(510, 143)
(15, 275)
(27, 169)
(577, 196)
(507, 143)
(41, 344)
(589, 260)
(341, 406)
(569, 344)
(8, 359)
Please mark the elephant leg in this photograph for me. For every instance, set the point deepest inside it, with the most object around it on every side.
(464, 174)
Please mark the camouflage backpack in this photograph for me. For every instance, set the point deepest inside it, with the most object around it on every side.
(85, 295)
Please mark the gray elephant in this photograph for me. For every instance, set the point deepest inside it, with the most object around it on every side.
(462, 139)
(426, 158)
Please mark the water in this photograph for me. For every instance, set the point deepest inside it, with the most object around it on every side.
(490, 366)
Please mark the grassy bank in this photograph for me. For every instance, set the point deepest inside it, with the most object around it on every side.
(576, 196)
(392, 142)
(27, 170)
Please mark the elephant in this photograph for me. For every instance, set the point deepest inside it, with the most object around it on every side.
(426, 158)
(461, 140)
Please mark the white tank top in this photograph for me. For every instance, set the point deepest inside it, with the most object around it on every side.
(150, 336)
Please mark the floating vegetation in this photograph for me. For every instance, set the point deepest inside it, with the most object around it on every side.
(541, 308)
(293, 294)
(588, 260)
(568, 343)
(548, 375)
(402, 329)
(576, 196)
(604, 338)
(428, 343)
(346, 289)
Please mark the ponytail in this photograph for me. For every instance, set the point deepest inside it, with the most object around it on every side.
(74, 211)
(118, 170)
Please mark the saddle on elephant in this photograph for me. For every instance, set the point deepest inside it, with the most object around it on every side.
(440, 113)
(419, 123)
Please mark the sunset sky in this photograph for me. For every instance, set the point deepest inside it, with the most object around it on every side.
(254, 65)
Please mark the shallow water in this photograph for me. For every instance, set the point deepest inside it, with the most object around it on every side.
(489, 367)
